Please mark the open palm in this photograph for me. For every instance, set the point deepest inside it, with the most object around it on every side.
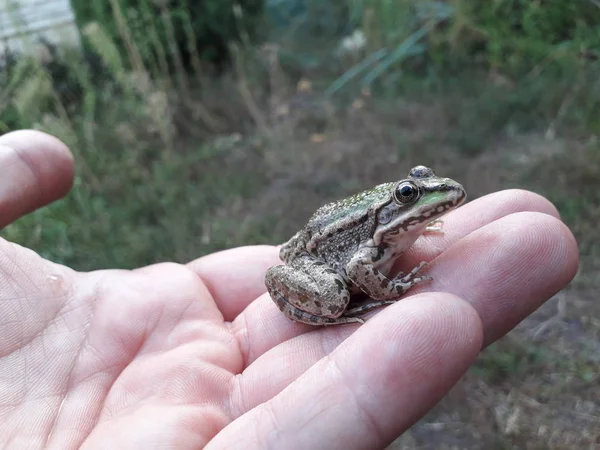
(197, 355)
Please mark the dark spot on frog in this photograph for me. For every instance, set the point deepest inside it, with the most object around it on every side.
(385, 283)
(280, 301)
(318, 304)
(340, 230)
(335, 309)
(380, 253)
(331, 271)
(340, 285)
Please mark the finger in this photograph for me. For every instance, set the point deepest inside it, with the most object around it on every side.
(373, 386)
(508, 268)
(470, 217)
(236, 277)
(35, 168)
(262, 326)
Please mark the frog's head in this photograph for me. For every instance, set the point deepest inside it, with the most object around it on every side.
(414, 203)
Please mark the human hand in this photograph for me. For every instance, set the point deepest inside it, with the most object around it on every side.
(197, 355)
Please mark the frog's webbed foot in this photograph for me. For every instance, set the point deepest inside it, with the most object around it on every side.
(435, 226)
(309, 292)
(411, 277)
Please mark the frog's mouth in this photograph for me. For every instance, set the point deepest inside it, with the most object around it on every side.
(433, 205)
(436, 200)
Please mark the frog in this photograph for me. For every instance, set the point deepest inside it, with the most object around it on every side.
(347, 249)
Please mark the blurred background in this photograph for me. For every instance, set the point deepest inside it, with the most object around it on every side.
(203, 125)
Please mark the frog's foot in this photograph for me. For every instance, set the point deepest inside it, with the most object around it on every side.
(404, 283)
(309, 292)
(375, 283)
(383, 290)
(435, 226)
(401, 284)
(366, 307)
(412, 275)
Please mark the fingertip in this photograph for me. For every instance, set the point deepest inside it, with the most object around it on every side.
(36, 168)
(520, 200)
(494, 206)
(426, 329)
(570, 247)
(48, 156)
(38, 141)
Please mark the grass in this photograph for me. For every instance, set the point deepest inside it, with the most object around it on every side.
(171, 170)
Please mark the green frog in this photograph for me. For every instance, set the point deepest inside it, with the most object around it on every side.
(348, 247)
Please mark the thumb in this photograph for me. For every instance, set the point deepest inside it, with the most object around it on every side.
(35, 169)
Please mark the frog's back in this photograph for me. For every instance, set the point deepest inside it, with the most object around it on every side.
(350, 209)
(337, 229)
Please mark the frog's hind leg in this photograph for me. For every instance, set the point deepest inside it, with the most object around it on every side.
(309, 292)
(298, 315)
(366, 307)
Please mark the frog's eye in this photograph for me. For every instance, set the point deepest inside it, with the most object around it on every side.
(406, 192)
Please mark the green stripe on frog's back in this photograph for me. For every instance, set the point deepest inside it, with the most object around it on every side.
(350, 209)
(341, 217)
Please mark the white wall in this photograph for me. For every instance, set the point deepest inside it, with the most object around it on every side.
(22, 22)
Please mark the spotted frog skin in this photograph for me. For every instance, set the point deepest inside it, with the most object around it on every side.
(348, 248)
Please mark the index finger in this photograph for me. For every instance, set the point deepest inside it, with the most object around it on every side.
(236, 277)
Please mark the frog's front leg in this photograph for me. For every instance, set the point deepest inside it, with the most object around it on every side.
(435, 226)
(362, 271)
(309, 291)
